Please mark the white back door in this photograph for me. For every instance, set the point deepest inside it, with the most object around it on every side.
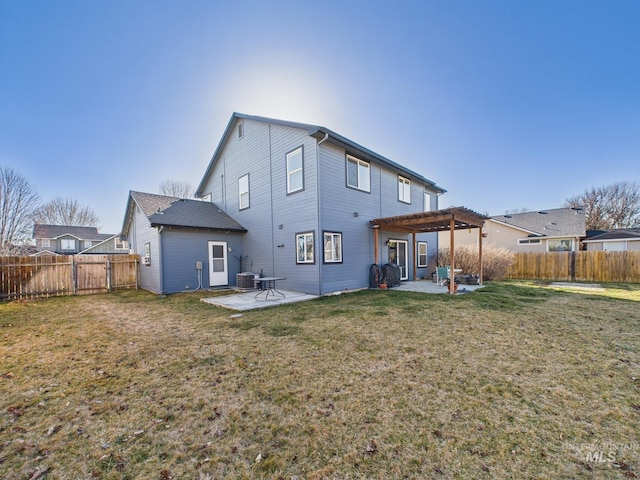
(218, 274)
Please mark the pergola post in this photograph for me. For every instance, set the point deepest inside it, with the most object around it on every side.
(415, 257)
(480, 255)
(452, 275)
(375, 244)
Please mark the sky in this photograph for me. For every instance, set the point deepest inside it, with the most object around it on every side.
(507, 105)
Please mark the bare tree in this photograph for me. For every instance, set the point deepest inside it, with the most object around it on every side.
(611, 206)
(174, 188)
(66, 211)
(18, 201)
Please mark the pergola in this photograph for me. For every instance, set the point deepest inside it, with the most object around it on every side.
(454, 218)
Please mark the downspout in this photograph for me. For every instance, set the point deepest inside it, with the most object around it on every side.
(320, 242)
(160, 262)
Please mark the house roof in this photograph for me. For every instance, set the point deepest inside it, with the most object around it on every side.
(319, 133)
(57, 231)
(557, 222)
(179, 212)
(617, 234)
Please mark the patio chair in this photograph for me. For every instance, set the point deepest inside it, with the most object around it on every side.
(442, 275)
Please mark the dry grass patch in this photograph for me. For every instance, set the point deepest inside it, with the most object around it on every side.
(511, 381)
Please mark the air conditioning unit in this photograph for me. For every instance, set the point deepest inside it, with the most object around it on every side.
(146, 260)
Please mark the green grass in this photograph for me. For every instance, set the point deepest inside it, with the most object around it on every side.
(515, 380)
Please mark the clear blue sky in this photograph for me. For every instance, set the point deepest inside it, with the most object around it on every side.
(506, 104)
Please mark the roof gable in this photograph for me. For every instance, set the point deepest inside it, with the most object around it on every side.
(558, 222)
(179, 212)
(57, 231)
(320, 134)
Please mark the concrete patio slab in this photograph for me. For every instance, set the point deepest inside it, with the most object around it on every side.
(248, 300)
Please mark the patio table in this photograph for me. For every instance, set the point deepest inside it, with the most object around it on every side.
(268, 287)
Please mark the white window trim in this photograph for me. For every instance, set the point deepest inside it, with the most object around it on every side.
(306, 237)
(404, 189)
(207, 197)
(121, 244)
(529, 241)
(333, 239)
(426, 255)
(243, 192)
(291, 173)
(361, 165)
(67, 241)
(427, 202)
(560, 240)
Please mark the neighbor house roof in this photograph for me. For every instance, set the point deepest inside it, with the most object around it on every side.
(179, 212)
(56, 231)
(557, 222)
(617, 234)
(319, 133)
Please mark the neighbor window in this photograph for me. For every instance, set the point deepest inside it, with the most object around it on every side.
(121, 244)
(243, 192)
(295, 175)
(529, 241)
(87, 243)
(404, 189)
(304, 247)
(45, 242)
(614, 246)
(358, 174)
(560, 245)
(332, 247)
(68, 244)
(422, 254)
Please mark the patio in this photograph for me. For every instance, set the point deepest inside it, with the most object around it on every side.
(242, 301)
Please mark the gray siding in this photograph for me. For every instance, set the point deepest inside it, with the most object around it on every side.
(140, 233)
(182, 248)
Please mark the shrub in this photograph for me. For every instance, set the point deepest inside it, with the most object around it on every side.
(495, 260)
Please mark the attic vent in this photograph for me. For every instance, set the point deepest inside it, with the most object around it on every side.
(508, 216)
(542, 212)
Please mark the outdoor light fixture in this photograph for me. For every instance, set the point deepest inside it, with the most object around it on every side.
(356, 214)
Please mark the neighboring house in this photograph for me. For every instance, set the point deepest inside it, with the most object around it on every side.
(69, 240)
(286, 199)
(619, 240)
(183, 244)
(555, 230)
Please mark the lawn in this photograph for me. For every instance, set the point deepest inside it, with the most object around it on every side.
(515, 380)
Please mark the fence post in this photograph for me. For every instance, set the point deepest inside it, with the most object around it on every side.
(74, 276)
(108, 275)
(573, 266)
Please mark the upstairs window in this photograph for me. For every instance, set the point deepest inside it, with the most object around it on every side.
(45, 242)
(404, 189)
(243, 192)
(358, 174)
(332, 247)
(427, 201)
(67, 244)
(87, 243)
(295, 171)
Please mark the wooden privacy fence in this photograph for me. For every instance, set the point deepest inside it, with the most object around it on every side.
(55, 275)
(615, 267)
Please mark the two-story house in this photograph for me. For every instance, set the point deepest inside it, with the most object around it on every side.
(71, 240)
(302, 197)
